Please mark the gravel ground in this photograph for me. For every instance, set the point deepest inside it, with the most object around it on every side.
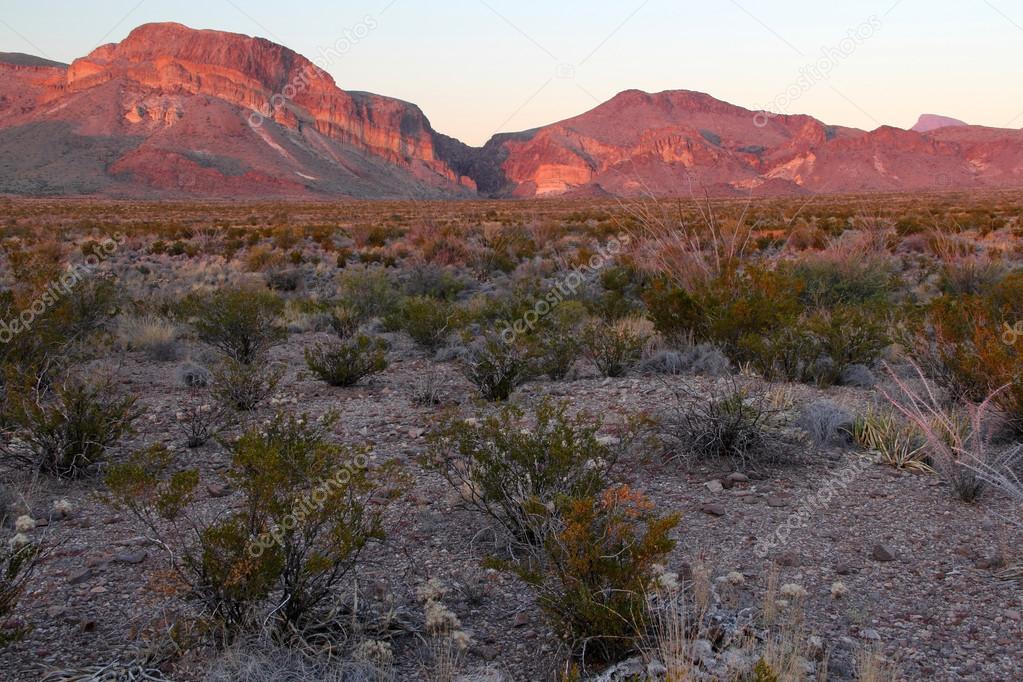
(922, 570)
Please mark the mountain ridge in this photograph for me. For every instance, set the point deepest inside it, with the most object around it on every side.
(173, 111)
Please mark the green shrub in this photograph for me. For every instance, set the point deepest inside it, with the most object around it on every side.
(66, 432)
(496, 368)
(428, 321)
(676, 315)
(555, 342)
(504, 471)
(970, 347)
(614, 347)
(828, 283)
(244, 387)
(240, 323)
(370, 291)
(434, 281)
(819, 346)
(17, 562)
(347, 361)
(593, 567)
(296, 534)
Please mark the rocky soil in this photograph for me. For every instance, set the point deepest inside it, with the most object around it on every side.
(923, 572)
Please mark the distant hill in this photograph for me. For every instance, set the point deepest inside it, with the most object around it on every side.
(176, 112)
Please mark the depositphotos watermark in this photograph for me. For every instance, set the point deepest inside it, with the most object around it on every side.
(318, 68)
(309, 504)
(820, 70)
(60, 288)
(566, 288)
(1012, 333)
(811, 506)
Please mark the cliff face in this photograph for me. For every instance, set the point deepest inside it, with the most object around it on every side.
(677, 142)
(163, 78)
(171, 111)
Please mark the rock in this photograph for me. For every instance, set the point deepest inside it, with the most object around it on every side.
(486, 652)
(882, 553)
(55, 612)
(632, 669)
(738, 477)
(714, 486)
(131, 557)
(703, 652)
(655, 670)
(218, 490)
(846, 569)
(789, 559)
(712, 509)
(870, 634)
(521, 620)
(777, 502)
(81, 576)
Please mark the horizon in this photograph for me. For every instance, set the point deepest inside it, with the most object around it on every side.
(861, 67)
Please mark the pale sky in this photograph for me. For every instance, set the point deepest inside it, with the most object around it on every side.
(477, 67)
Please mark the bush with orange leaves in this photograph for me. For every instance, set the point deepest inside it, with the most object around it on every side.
(592, 567)
(970, 345)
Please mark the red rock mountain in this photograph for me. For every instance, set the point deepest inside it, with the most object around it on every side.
(173, 111)
(678, 141)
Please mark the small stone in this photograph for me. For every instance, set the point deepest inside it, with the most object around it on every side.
(81, 576)
(738, 477)
(882, 554)
(131, 557)
(776, 502)
(55, 612)
(870, 634)
(486, 652)
(655, 670)
(788, 559)
(1013, 614)
(712, 509)
(521, 620)
(846, 569)
(714, 486)
(218, 490)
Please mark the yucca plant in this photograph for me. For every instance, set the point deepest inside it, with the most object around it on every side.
(898, 444)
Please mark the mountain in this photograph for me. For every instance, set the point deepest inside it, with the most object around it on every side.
(929, 122)
(176, 112)
(678, 142)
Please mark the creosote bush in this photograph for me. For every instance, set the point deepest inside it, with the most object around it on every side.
(555, 342)
(67, 431)
(586, 546)
(429, 321)
(281, 554)
(347, 361)
(591, 568)
(17, 563)
(496, 367)
(967, 345)
(505, 470)
(244, 387)
(614, 347)
(239, 323)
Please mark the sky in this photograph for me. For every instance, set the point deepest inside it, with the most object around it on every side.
(478, 67)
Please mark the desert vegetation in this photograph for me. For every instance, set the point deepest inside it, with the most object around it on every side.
(570, 440)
